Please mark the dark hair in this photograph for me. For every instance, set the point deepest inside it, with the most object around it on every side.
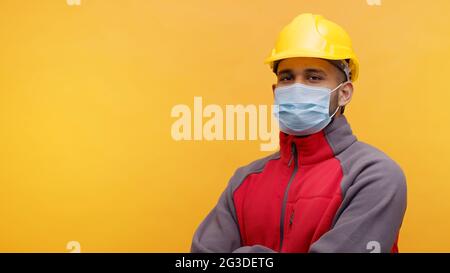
(275, 66)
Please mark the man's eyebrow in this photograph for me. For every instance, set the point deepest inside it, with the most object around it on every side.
(307, 70)
(286, 71)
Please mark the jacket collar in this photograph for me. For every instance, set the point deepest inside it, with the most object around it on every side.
(320, 146)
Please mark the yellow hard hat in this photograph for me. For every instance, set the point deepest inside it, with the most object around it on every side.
(310, 35)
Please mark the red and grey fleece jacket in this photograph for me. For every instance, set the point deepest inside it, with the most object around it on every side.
(325, 192)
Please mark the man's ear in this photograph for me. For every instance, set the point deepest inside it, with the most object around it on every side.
(273, 89)
(345, 94)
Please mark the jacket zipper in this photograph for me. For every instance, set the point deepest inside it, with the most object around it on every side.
(286, 192)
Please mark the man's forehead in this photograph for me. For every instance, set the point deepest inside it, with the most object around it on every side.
(300, 64)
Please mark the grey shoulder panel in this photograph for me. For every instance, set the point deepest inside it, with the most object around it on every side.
(363, 160)
(255, 167)
(373, 203)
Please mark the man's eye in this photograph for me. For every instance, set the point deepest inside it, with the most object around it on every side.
(315, 78)
(285, 78)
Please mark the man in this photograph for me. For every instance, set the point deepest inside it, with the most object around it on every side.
(324, 191)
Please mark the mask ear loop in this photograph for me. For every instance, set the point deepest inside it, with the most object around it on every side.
(337, 108)
(337, 87)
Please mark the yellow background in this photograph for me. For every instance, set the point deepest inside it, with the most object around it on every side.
(86, 93)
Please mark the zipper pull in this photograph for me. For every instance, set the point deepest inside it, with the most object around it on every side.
(291, 219)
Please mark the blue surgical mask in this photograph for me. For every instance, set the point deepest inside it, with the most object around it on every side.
(303, 110)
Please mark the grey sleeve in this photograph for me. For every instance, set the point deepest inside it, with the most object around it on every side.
(371, 213)
(219, 231)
